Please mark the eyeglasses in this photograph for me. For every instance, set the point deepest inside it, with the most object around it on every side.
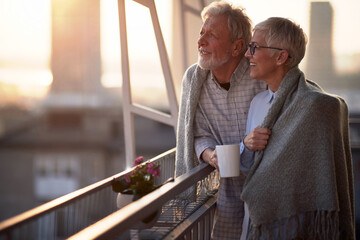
(253, 46)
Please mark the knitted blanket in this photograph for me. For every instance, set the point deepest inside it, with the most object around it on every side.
(192, 83)
(306, 166)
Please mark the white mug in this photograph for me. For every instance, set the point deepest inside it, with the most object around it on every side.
(228, 160)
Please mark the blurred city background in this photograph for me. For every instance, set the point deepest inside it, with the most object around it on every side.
(61, 119)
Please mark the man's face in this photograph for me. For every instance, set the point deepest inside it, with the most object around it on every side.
(262, 64)
(214, 43)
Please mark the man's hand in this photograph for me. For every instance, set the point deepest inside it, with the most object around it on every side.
(257, 139)
(209, 156)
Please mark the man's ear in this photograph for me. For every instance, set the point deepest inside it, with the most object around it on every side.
(237, 47)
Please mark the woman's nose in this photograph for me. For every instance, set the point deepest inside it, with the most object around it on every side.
(247, 53)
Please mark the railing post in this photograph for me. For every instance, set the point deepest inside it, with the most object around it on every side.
(126, 91)
(129, 109)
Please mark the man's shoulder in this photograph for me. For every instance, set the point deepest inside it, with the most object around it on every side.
(194, 72)
(191, 69)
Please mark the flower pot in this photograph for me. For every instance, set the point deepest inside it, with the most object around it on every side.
(123, 199)
(147, 222)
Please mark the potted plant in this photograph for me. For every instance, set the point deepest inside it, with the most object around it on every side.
(140, 181)
(136, 184)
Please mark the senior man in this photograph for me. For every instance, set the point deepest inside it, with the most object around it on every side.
(216, 95)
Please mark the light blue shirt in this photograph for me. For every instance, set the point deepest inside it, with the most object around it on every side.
(259, 107)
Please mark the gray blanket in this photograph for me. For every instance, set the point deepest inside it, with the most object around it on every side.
(192, 82)
(306, 166)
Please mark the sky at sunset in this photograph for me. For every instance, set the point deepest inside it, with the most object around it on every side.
(25, 42)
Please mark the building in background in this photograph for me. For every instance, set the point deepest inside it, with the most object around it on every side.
(320, 64)
(78, 138)
(320, 58)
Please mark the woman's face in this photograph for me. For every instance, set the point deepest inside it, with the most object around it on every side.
(262, 64)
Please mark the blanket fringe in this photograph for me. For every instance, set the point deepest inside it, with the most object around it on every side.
(316, 225)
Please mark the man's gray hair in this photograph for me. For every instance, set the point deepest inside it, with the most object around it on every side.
(284, 33)
(239, 23)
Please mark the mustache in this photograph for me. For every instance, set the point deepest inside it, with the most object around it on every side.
(202, 49)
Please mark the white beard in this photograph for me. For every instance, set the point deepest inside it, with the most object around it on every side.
(212, 63)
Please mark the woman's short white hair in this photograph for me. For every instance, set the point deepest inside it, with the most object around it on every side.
(239, 23)
(286, 34)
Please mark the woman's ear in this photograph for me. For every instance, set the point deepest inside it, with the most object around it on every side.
(282, 57)
(237, 47)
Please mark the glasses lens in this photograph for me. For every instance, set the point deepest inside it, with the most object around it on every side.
(252, 48)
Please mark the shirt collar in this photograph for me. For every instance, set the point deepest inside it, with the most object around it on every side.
(270, 96)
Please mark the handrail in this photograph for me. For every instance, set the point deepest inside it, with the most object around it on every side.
(37, 212)
(354, 120)
(124, 218)
(56, 203)
(355, 146)
(204, 214)
(52, 205)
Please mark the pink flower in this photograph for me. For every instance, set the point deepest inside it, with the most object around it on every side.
(156, 172)
(141, 178)
(139, 160)
(127, 179)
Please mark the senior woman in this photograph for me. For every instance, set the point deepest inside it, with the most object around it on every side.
(301, 185)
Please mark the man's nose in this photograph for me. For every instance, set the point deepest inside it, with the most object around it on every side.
(202, 40)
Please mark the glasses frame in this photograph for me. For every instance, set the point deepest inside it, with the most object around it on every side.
(253, 46)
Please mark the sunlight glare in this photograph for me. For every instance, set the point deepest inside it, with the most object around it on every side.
(25, 34)
(28, 82)
(25, 44)
(140, 37)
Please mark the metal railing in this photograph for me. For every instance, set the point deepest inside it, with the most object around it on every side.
(76, 213)
(70, 214)
(174, 209)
